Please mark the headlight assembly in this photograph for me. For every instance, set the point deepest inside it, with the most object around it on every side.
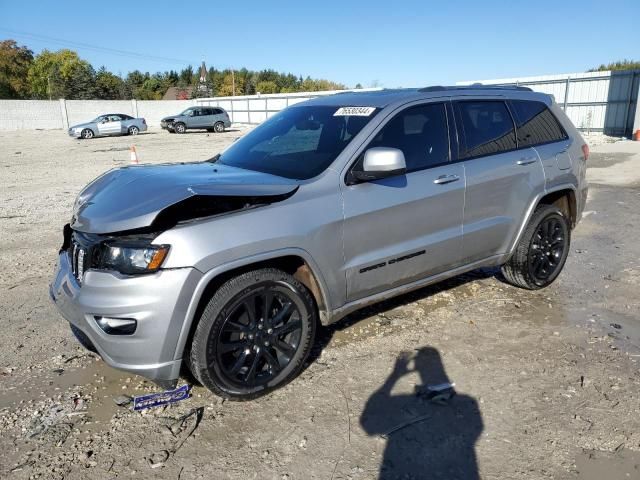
(131, 259)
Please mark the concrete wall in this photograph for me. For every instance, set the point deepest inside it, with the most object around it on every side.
(60, 114)
(54, 114)
(80, 111)
(30, 114)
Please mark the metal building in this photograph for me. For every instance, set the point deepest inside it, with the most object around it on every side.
(594, 101)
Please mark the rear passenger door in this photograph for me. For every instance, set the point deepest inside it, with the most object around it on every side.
(403, 228)
(218, 116)
(537, 127)
(502, 180)
(206, 117)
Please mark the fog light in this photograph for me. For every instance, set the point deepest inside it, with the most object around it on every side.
(117, 326)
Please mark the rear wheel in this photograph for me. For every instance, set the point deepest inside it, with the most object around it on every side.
(542, 251)
(219, 127)
(133, 130)
(179, 128)
(254, 334)
(87, 133)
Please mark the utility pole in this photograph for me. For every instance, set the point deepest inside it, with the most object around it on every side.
(233, 83)
(49, 85)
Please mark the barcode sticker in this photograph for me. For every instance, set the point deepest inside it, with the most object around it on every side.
(354, 111)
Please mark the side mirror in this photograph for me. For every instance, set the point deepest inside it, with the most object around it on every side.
(381, 162)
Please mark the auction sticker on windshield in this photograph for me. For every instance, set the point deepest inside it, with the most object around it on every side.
(354, 111)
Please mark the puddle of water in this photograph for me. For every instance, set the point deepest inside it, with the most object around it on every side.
(94, 378)
(622, 465)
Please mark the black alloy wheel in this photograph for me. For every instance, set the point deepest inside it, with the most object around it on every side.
(547, 249)
(254, 335)
(542, 250)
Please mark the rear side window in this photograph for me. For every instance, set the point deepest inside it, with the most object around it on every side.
(536, 124)
(216, 111)
(421, 133)
(485, 128)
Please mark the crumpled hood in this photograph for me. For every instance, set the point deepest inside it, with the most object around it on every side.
(131, 197)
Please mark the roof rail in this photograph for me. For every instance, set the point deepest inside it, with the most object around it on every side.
(440, 88)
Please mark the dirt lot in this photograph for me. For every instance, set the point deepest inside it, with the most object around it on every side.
(547, 382)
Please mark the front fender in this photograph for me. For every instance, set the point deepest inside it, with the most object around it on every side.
(243, 262)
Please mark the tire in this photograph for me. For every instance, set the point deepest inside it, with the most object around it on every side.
(218, 127)
(82, 338)
(239, 352)
(87, 134)
(542, 251)
(133, 130)
(179, 127)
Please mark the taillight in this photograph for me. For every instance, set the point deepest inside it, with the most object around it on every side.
(144, 121)
(585, 152)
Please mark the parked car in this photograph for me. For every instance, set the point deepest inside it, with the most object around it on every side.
(211, 119)
(335, 203)
(109, 124)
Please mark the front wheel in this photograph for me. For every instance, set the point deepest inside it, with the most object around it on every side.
(133, 130)
(87, 133)
(542, 251)
(179, 128)
(254, 334)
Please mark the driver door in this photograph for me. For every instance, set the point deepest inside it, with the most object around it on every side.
(110, 125)
(403, 228)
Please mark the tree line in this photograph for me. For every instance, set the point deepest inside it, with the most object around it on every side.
(63, 74)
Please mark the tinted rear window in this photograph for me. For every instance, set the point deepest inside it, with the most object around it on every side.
(536, 124)
(485, 128)
(421, 133)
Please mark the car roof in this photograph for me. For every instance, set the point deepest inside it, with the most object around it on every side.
(384, 97)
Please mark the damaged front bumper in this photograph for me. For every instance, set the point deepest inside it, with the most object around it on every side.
(157, 302)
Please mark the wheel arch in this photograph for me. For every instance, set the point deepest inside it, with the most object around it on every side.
(565, 200)
(293, 261)
(563, 196)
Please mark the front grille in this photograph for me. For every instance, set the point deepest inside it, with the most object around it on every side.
(77, 255)
(82, 248)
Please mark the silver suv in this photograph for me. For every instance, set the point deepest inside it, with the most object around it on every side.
(227, 266)
(211, 119)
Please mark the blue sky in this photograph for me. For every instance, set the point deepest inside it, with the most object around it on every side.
(393, 43)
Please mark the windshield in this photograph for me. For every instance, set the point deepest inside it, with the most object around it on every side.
(187, 112)
(96, 120)
(299, 142)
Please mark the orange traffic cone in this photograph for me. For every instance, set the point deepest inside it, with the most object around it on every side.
(636, 136)
(134, 154)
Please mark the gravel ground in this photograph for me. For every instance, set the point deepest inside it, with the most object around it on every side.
(547, 382)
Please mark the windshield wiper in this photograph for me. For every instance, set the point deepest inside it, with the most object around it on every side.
(214, 159)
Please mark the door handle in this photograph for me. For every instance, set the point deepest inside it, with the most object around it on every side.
(444, 179)
(526, 161)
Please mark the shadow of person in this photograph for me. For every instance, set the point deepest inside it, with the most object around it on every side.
(429, 435)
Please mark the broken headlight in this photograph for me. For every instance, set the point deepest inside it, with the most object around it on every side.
(131, 258)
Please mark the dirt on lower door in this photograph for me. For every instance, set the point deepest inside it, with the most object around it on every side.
(546, 383)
